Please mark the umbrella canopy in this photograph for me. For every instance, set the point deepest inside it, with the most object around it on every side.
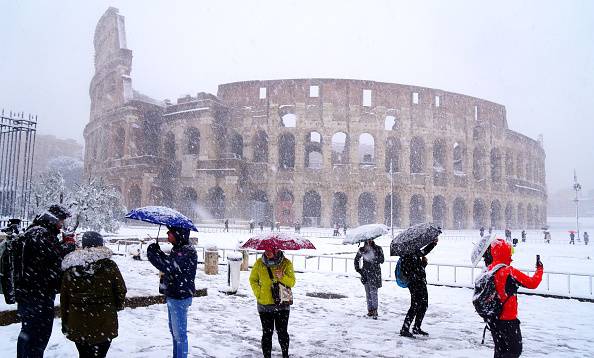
(364, 233)
(479, 249)
(414, 238)
(161, 215)
(279, 241)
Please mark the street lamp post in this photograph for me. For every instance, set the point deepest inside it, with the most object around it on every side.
(391, 198)
(577, 187)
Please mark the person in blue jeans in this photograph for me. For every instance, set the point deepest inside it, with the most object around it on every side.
(177, 283)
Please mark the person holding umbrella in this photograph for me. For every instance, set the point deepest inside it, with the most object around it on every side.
(270, 270)
(371, 273)
(177, 283)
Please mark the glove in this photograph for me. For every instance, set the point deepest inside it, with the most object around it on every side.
(153, 247)
(539, 264)
(68, 238)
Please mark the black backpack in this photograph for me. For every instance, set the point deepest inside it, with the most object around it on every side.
(11, 258)
(486, 300)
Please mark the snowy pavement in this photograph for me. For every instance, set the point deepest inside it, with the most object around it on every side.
(228, 326)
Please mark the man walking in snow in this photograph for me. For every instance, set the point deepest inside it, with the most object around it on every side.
(572, 238)
(39, 279)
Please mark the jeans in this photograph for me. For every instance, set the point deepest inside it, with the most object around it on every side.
(98, 350)
(269, 320)
(177, 310)
(37, 319)
(371, 295)
(507, 337)
(419, 300)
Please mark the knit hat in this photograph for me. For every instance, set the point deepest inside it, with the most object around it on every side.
(59, 211)
(92, 239)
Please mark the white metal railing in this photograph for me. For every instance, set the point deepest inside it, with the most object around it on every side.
(559, 283)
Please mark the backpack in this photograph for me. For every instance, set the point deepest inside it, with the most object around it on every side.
(11, 253)
(486, 300)
(401, 280)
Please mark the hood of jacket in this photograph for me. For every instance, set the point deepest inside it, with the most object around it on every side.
(501, 252)
(85, 258)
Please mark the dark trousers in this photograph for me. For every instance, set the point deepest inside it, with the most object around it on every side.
(419, 300)
(507, 337)
(37, 319)
(98, 350)
(269, 320)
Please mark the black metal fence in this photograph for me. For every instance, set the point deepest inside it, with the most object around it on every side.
(17, 147)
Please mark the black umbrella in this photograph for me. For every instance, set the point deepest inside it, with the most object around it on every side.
(414, 238)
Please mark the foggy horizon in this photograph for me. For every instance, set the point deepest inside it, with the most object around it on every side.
(535, 58)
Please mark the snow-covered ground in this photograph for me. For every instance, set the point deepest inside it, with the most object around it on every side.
(228, 326)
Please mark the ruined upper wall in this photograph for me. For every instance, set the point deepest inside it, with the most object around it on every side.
(352, 93)
(110, 37)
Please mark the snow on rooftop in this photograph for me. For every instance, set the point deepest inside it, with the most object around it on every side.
(187, 111)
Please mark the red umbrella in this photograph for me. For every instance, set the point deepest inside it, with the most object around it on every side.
(279, 241)
(571, 231)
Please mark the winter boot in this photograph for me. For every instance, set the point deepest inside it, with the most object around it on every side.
(374, 312)
(406, 333)
(418, 330)
(369, 313)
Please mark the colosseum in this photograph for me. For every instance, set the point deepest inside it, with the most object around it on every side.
(314, 151)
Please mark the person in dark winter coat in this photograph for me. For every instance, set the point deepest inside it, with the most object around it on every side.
(482, 231)
(506, 332)
(179, 271)
(572, 238)
(413, 268)
(523, 235)
(586, 238)
(371, 273)
(93, 290)
(38, 281)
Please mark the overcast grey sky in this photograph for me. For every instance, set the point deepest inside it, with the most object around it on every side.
(534, 57)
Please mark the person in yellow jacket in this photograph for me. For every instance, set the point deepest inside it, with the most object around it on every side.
(271, 314)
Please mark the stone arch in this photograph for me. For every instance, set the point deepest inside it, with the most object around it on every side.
(236, 146)
(459, 158)
(188, 202)
(313, 158)
(340, 148)
(259, 207)
(439, 211)
(479, 213)
(392, 154)
(390, 122)
(439, 155)
(366, 208)
(509, 216)
(288, 118)
(393, 206)
(496, 167)
(529, 217)
(478, 163)
(339, 208)
(366, 149)
(169, 146)
(521, 216)
(459, 213)
(509, 164)
(417, 155)
(260, 147)
(192, 135)
(284, 207)
(417, 209)
(216, 202)
(286, 151)
(134, 197)
(496, 214)
(312, 209)
(478, 134)
(118, 141)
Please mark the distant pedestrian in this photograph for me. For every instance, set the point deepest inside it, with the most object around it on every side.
(272, 267)
(482, 231)
(277, 226)
(344, 228)
(336, 228)
(413, 268)
(227, 225)
(271, 226)
(251, 226)
(547, 237)
(297, 227)
(586, 237)
(572, 238)
(523, 235)
(261, 224)
(508, 235)
(93, 291)
(490, 230)
(371, 273)
(179, 271)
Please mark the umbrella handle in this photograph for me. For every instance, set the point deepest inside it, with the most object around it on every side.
(158, 232)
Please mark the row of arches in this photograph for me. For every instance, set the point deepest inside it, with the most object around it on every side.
(463, 214)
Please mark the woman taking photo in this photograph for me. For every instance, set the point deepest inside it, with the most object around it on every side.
(371, 273)
(270, 268)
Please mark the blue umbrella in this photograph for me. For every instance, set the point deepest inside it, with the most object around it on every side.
(161, 215)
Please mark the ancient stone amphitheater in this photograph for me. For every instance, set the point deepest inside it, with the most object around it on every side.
(314, 151)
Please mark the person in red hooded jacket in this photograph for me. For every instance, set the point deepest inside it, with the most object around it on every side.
(506, 332)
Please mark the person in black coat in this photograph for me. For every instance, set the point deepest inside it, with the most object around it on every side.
(413, 268)
(177, 283)
(38, 279)
(371, 273)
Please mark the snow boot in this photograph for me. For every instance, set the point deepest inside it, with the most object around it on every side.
(417, 330)
(406, 333)
(369, 313)
(374, 314)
